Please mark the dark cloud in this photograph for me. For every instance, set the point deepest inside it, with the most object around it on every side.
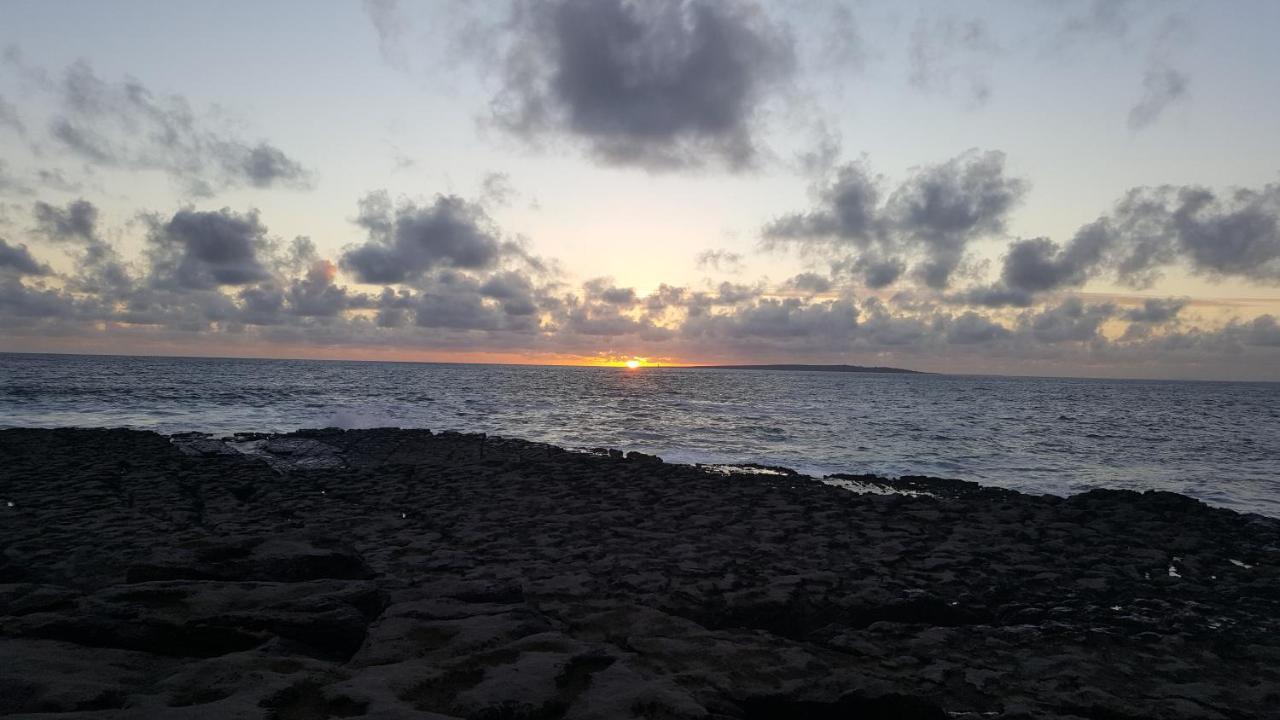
(933, 215)
(265, 165)
(943, 207)
(99, 268)
(18, 259)
(125, 124)
(603, 290)
(20, 303)
(514, 290)
(1040, 265)
(808, 282)
(316, 295)
(879, 272)
(1221, 235)
(670, 83)
(76, 223)
(203, 250)
(1071, 321)
(1263, 331)
(407, 241)
(971, 328)
(1156, 310)
(778, 319)
(848, 211)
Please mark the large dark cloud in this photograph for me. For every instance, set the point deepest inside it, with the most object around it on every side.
(203, 250)
(410, 240)
(659, 84)
(125, 124)
(18, 259)
(932, 216)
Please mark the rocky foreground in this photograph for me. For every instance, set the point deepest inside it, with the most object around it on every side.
(401, 574)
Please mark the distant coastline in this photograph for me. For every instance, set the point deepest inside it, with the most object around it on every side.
(814, 368)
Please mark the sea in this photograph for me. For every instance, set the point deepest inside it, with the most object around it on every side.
(1216, 441)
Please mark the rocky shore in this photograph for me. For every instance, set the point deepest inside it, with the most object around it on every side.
(405, 574)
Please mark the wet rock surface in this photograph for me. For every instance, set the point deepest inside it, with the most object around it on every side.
(390, 574)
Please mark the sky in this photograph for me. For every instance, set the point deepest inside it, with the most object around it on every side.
(1051, 187)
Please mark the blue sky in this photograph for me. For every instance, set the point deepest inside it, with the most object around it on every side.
(1063, 109)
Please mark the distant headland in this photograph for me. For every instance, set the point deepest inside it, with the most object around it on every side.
(813, 368)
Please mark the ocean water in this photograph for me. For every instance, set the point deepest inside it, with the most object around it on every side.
(1219, 442)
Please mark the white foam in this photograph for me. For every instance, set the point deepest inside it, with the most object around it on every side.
(867, 488)
(1237, 563)
(740, 470)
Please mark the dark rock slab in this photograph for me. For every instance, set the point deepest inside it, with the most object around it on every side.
(387, 573)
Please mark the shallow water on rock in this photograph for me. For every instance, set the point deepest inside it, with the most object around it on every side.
(1219, 442)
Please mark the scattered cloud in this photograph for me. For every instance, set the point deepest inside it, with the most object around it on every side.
(719, 261)
(931, 217)
(125, 124)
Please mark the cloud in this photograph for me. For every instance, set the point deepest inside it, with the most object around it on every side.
(10, 185)
(204, 250)
(18, 259)
(1161, 87)
(407, 241)
(719, 260)
(971, 328)
(659, 85)
(848, 211)
(1070, 321)
(1221, 235)
(125, 124)
(316, 295)
(1162, 83)
(9, 117)
(942, 207)
(1156, 310)
(774, 319)
(217, 279)
(390, 23)
(933, 215)
(946, 51)
(811, 283)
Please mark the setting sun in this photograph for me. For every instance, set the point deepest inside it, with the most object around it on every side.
(633, 364)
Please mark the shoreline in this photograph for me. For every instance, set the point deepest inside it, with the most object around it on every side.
(394, 573)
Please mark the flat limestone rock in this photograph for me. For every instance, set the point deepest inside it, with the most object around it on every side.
(404, 573)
